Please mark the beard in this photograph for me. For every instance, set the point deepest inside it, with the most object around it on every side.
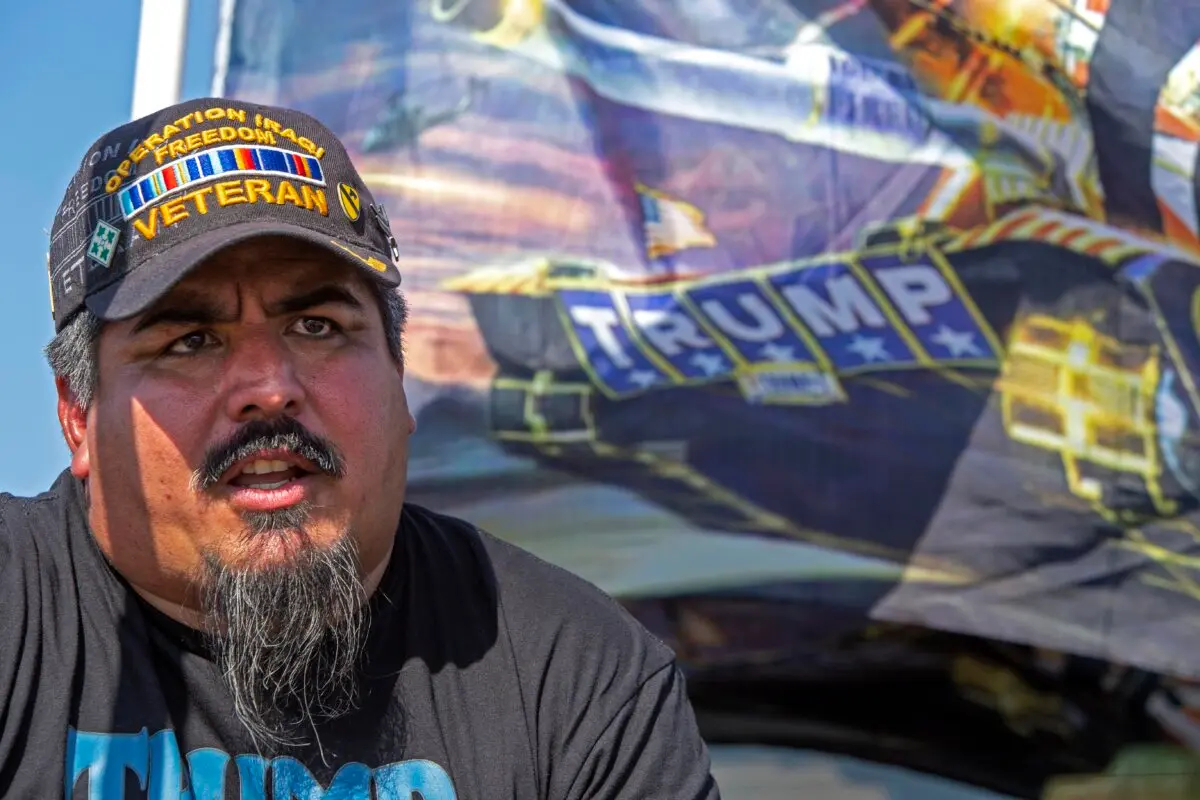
(288, 638)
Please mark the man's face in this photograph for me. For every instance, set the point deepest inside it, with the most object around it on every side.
(251, 415)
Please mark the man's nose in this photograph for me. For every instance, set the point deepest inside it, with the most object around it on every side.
(262, 381)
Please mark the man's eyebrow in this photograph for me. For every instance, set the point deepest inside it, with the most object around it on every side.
(200, 311)
(188, 310)
(322, 295)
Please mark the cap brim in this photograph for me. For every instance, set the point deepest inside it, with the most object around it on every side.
(146, 284)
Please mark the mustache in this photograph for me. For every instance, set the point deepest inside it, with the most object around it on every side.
(283, 434)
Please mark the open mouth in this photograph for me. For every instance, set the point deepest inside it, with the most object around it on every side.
(268, 471)
(263, 474)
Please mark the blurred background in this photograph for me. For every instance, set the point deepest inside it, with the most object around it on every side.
(852, 344)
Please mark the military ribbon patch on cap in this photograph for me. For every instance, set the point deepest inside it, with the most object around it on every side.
(222, 162)
(103, 246)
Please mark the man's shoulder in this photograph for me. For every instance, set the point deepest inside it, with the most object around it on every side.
(28, 521)
(36, 554)
(525, 582)
(547, 608)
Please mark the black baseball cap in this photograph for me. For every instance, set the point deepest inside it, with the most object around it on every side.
(157, 196)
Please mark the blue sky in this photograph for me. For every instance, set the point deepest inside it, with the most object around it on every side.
(67, 72)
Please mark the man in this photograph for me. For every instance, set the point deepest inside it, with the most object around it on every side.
(226, 595)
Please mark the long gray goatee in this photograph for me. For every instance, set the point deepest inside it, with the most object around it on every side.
(288, 638)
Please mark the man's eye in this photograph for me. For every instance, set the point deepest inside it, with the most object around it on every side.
(317, 327)
(191, 343)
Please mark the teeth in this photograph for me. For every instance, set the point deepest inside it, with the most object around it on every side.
(274, 485)
(262, 467)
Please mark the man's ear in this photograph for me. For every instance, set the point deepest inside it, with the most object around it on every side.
(412, 420)
(72, 418)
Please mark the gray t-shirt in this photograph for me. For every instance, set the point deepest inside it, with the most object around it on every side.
(489, 674)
